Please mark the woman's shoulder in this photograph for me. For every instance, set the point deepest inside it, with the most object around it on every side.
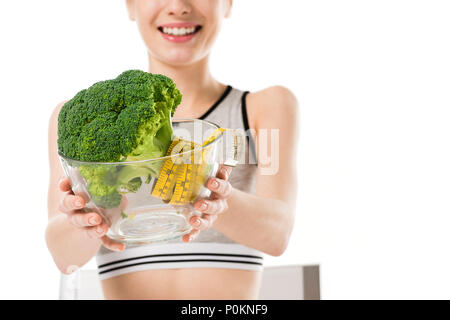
(275, 93)
(55, 113)
(275, 103)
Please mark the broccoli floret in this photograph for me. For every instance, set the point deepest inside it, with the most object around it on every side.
(101, 185)
(133, 185)
(124, 119)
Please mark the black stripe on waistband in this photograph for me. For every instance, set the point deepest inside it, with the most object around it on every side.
(180, 254)
(172, 261)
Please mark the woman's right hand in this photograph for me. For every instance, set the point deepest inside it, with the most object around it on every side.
(91, 222)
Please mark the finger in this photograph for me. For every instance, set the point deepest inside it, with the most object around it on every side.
(221, 187)
(211, 206)
(85, 219)
(64, 184)
(86, 197)
(71, 202)
(112, 245)
(97, 232)
(97, 210)
(123, 203)
(191, 235)
(224, 172)
(203, 223)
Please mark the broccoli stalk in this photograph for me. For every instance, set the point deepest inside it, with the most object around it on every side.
(124, 119)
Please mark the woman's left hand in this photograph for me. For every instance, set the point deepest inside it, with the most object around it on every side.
(211, 208)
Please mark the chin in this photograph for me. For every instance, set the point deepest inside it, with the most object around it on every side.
(178, 56)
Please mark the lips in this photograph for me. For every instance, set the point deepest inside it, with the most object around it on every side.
(179, 31)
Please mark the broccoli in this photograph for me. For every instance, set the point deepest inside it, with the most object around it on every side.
(124, 119)
(133, 185)
(101, 185)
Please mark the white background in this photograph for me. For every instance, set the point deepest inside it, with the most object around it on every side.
(372, 79)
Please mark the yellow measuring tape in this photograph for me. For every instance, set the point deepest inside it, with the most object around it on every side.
(182, 176)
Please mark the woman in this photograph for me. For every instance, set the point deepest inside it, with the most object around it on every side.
(249, 214)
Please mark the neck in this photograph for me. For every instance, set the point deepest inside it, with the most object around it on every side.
(195, 82)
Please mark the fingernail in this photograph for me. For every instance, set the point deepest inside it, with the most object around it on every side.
(99, 230)
(191, 238)
(78, 203)
(214, 184)
(203, 206)
(93, 220)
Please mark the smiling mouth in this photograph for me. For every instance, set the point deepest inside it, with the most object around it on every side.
(179, 32)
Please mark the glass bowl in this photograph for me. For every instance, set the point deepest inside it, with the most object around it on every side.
(151, 200)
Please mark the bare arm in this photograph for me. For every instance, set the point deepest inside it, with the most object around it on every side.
(73, 236)
(264, 221)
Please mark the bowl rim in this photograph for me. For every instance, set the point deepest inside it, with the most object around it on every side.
(154, 159)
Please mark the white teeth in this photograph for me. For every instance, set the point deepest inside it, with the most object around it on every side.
(178, 31)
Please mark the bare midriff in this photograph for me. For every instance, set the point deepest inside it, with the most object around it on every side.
(194, 283)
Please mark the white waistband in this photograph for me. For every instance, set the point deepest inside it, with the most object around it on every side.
(179, 255)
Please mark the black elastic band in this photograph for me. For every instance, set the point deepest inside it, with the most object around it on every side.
(244, 110)
(222, 97)
(246, 125)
